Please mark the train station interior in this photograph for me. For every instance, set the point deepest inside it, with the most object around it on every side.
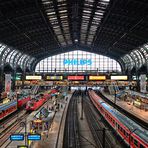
(73, 74)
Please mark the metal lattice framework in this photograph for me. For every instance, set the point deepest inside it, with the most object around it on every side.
(41, 28)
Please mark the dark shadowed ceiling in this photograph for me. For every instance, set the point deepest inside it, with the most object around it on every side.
(45, 27)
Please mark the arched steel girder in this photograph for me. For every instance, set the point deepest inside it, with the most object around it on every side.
(122, 64)
(21, 61)
(142, 54)
(35, 63)
(130, 60)
(31, 64)
(5, 60)
(16, 59)
(126, 58)
(146, 49)
(14, 51)
(13, 57)
(25, 62)
(135, 54)
(5, 54)
(139, 58)
(2, 53)
(133, 61)
(142, 50)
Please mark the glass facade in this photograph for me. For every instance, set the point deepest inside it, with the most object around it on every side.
(136, 58)
(77, 61)
(14, 58)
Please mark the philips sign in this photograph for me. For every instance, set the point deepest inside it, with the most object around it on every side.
(77, 62)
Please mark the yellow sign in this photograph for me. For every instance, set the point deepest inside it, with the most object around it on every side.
(22, 146)
(97, 77)
(54, 77)
(137, 103)
(37, 121)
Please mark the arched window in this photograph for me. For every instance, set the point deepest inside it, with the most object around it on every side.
(77, 61)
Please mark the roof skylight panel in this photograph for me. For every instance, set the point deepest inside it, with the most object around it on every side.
(100, 10)
(62, 11)
(51, 13)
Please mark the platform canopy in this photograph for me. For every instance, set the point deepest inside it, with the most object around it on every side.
(41, 28)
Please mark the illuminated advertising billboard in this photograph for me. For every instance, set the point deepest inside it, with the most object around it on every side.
(54, 77)
(97, 77)
(33, 77)
(119, 77)
(77, 78)
(77, 62)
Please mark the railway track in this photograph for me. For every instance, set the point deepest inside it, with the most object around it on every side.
(12, 129)
(102, 133)
(71, 133)
(8, 122)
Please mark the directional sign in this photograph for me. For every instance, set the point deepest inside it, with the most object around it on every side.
(17, 137)
(34, 137)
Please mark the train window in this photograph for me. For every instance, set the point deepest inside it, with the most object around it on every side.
(131, 138)
(136, 143)
(116, 124)
(126, 134)
(123, 131)
(141, 146)
(113, 121)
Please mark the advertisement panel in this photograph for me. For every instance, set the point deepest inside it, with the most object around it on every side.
(78, 78)
(119, 77)
(143, 83)
(33, 77)
(54, 77)
(97, 77)
(7, 82)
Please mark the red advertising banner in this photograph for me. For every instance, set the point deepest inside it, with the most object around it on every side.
(75, 78)
(7, 82)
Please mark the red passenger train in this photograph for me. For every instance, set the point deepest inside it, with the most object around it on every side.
(22, 101)
(7, 109)
(134, 135)
(35, 103)
(38, 101)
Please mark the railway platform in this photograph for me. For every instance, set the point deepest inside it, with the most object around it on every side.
(53, 138)
(22, 127)
(139, 113)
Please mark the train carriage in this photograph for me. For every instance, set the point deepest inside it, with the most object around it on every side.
(133, 134)
(7, 109)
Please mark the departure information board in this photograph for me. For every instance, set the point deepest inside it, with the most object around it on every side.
(54, 77)
(119, 78)
(77, 78)
(97, 77)
(33, 77)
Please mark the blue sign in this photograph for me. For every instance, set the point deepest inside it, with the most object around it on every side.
(17, 137)
(77, 62)
(34, 137)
